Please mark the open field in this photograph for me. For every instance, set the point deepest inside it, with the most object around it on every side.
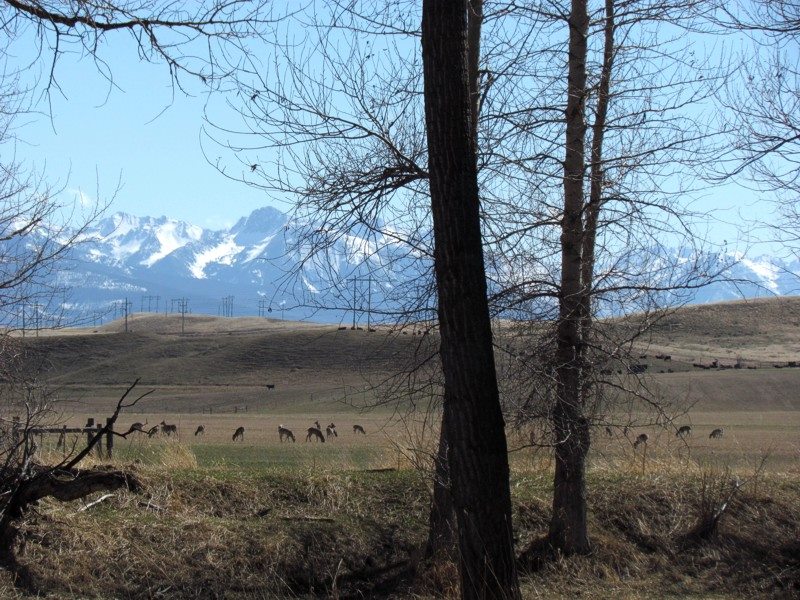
(262, 519)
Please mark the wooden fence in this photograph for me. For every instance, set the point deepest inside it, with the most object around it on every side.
(91, 429)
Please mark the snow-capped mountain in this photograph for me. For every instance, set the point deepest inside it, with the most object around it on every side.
(260, 266)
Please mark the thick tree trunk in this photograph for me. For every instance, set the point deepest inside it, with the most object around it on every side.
(568, 527)
(473, 420)
(442, 532)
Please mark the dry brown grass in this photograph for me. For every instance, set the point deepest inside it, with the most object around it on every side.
(265, 534)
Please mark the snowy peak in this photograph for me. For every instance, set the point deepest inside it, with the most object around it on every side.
(123, 237)
(130, 257)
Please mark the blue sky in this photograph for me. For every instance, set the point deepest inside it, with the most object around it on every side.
(146, 135)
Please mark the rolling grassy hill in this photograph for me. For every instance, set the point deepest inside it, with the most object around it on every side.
(228, 362)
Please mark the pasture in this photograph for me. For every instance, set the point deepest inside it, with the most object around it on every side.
(261, 518)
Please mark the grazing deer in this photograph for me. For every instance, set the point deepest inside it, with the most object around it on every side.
(717, 433)
(283, 432)
(169, 429)
(315, 433)
(201, 430)
(153, 430)
(317, 425)
(641, 439)
(332, 427)
(683, 431)
(609, 433)
(238, 434)
(359, 429)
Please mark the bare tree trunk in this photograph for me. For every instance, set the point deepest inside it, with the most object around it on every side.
(441, 532)
(597, 175)
(473, 420)
(568, 527)
(596, 181)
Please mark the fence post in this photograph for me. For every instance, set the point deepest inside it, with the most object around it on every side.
(109, 439)
(99, 445)
(89, 427)
(62, 441)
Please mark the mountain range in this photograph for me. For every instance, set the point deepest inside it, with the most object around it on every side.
(257, 267)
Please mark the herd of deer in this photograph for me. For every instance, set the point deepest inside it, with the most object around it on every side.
(284, 434)
(682, 432)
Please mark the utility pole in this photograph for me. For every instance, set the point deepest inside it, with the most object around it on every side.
(356, 281)
(150, 300)
(126, 308)
(263, 307)
(227, 306)
(183, 308)
(369, 302)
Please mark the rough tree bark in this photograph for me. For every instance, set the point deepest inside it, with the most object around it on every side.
(568, 526)
(472, 416)
(441, 530)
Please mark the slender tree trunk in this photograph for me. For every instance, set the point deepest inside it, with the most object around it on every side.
(568, 527)
(441, 532)
(596, 174)
(473, 420)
